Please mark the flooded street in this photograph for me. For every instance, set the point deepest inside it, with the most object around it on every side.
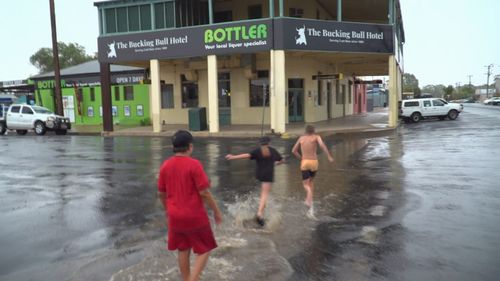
(421, 203)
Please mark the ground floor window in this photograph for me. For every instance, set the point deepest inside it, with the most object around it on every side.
(224, 89)
(92, 94)
(129, 93)
(259, 89)
(167, 96)
(350, 93)
(320, 92)
(189, 93)
(117, 93)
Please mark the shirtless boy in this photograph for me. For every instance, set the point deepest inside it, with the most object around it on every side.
(308, 144)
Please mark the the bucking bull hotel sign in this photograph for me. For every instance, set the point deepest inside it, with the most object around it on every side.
(238, 37)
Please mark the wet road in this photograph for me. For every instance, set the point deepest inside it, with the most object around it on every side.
(420, 204)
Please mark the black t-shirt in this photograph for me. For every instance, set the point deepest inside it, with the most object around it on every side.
(265, 165)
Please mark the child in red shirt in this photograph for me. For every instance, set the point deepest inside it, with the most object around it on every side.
(183, 187)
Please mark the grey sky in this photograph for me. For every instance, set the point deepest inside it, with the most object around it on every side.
(446, 40)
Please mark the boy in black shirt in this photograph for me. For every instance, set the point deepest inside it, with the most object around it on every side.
(266, 157)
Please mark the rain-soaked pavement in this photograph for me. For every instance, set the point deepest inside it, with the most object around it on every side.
(419, 204)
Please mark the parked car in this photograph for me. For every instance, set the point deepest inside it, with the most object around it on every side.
(414, 110)
(23, 117)
(492, 101)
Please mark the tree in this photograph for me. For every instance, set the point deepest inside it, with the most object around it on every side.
(448, 91)
(435, 90)
(69, 54)
(410, 84)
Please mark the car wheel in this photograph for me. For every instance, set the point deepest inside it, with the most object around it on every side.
(21, 132)
(3, 129)
(415, 117)
(61, 132)
(40, 128)
(453, 114)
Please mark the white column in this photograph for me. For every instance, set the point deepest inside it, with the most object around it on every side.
(213, 97)
(278, 109)
(272, 92)
(393, 92)
(155, 95)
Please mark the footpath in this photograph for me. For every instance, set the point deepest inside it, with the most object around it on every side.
(376, 121)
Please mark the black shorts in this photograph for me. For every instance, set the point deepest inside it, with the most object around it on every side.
(308, 174)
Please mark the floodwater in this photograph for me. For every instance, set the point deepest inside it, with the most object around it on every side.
(421, 203)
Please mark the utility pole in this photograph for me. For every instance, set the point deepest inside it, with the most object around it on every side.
(458, 90)
(470, 76)
(55, 54)
(488, 79)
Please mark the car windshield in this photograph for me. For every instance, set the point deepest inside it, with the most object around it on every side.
(42, 110)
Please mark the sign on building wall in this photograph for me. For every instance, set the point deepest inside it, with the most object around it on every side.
(91, 81)
(320, 35)
(226, 38)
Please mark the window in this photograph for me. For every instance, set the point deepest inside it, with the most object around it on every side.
(427, 103)
(15, 109)
(117, 93)
(223, 16)
(295, 13)
(121, 19)
(224, 89)
(259, 87)
(134, 19)
(126, 19)
(129, 93)
(255, 12)
(27, 110)
(189, 93)
(92, 94)
(350, 93)
(110, 21)
(159, 15)
(320, 92)
(167, 96)
(337, 92)
(437, 103)
(411, 103)
(145, 17)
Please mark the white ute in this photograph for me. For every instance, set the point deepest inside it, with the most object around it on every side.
(414, 110)
(23, 117)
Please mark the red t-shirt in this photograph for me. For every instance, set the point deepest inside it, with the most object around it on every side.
(182, 178)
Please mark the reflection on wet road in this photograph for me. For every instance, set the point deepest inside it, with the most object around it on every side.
(419, 204)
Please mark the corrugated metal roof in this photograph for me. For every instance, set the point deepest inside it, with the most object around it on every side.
(90, 67)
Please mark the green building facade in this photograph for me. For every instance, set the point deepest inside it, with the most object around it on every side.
(81, 94)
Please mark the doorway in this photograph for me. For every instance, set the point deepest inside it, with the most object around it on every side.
(295, 100)
(224, 86)
(329, 98)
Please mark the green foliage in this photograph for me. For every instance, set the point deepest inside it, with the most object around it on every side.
(448, 91)
(410, 84)
(435, 90)
(69, 54)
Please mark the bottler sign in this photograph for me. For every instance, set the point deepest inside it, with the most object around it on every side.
(217, 39)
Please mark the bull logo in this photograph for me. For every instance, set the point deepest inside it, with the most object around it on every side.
(112, 50)
(301, 40)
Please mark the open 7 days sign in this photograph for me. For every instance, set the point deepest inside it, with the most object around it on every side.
(241, 37)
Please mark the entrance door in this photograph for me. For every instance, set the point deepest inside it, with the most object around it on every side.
(224, 98)
(329, 99)
(295, 100)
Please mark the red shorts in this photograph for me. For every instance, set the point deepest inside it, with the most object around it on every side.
(200, 240)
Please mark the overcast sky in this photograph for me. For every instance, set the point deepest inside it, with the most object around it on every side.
(446, 40)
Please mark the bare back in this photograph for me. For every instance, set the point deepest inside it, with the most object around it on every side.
(309, 146)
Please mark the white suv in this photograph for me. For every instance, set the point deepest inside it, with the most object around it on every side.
(415, 110)
(23, 117)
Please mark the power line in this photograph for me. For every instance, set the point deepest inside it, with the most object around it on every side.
(488, 79)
